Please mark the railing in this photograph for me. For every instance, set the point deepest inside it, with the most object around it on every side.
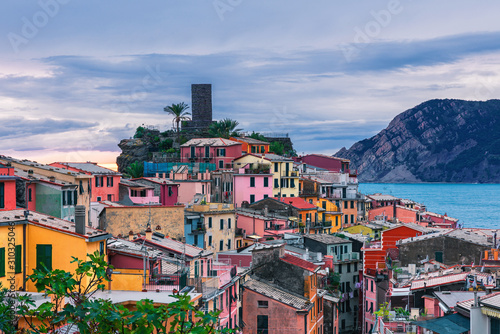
(346, 257)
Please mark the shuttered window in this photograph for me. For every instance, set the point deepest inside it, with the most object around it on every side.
(2, 262)
(18, 267)
(44, 256)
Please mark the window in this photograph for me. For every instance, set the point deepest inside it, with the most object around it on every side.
(207, 151)
(348, 266)
(371, 285)
(292, 195)
(266, 182)
(346, 220)
(221, 245)
(276, 183)
(110, 197)
(210, 240)
(222, 224)
(352, 219)
(275, 167)
(221, 152)
(228, 223)
(30, 195)
(262, 326)
(202, 188)
(195, 242)
(109, 181)
(170, 191)
(196, 269)
(81, 187)
(99, 198)
(192, 149)
(292, 183)
(101, 248)
(345, 204)
(229, 244)
(253, 149)
(352, 204)
(2, 262)
(252, 181)
(44, 256)
(262, 150)
(266, 195)
(336, 220)
(340, 268)
(221, 163)
(342, 324)
(18, 263)
(355, 266)
(252, 198)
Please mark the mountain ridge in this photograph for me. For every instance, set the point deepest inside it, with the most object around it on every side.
(440, 140)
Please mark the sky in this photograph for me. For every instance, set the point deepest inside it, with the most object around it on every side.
(76, 77)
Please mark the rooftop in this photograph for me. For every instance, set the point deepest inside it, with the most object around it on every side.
(381, 197)
(90, 167)
(327, 239)
(252, 141)
(276, 293)
(296, 202)
(131, 248)
(445, 279)
(275, 157)
(451, 298)
(133, 184)
(210, 142)
(296, 261)
(175, 246)
(327, 156)
(469, 236)
(34, 164)
(46, 221)
(35, 177)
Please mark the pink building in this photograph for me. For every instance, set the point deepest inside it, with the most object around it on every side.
(104, 187)
(7, 188)
(251, 187)
(191, 184)
(167, 190)
(218, 151)
(254, 223)
(137, 193)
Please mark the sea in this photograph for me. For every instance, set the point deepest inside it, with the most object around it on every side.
(475, 205)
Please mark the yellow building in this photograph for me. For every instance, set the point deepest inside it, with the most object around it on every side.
(372, 230)
(26, 242)
(210, 226)
(62, 176)
(285, 179)
(329, 215)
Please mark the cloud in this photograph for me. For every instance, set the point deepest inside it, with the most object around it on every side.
(21, 127)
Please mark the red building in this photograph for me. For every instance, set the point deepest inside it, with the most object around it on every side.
(218, 151)
(7, 188)
(327, 162)
(104, 187)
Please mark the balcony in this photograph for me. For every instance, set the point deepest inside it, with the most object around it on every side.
(353, 256)
(198, 229)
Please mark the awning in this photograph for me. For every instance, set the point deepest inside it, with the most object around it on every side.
(449, 324)
(491, 312)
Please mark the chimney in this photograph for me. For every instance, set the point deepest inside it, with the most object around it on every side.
(80, 219)
(149, 234)
(164, 175)
(157, 174)
(130, 236)
(266, 210)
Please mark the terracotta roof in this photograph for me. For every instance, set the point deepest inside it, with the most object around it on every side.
(276, 293)
(382, 197)
(90, 167)
(175, 246)
(250, 140)
(492, 300)
(296, 202)
(296, 261)
(443, 280)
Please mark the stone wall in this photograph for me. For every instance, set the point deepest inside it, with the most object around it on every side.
(121, 220)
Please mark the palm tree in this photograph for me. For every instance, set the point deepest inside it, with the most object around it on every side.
(224, 128)
(180, 114)
(135, 170)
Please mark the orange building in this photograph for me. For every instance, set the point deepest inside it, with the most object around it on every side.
(251, 145)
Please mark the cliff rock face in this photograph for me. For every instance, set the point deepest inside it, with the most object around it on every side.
(436, 141)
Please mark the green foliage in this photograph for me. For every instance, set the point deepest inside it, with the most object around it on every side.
(166, 144)
(258, 136)
(139, 132)
(179, 111)
(401, 312)
(383, 311)
(135, 170)
(277, 148)
(73, 303)
(225, 128)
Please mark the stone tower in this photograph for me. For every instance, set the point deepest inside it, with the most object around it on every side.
(201, 108)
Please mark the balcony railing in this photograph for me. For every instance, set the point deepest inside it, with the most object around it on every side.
(353, 256)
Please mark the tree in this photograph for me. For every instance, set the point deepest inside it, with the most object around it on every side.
(224, 129)
(72, 303)
(277, 148)
(135, 170)
(180, 114)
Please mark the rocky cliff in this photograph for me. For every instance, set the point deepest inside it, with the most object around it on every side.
(436, 141)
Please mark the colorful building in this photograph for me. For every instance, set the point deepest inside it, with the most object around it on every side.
(166, 190)
(327, 162)
(59, 175)
(285, 178)
(132, 192)
(222, 186)
(259, 224)
(282, 294)
(7, 188)
(251, 145)
(43, 239)
(105, 183)
(217, 151)
(252, 185)
(191, 184)
(210, 226)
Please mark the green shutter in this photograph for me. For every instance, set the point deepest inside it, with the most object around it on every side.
(2, 262)
(18, 268)
(2, 195)
(44, 255)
